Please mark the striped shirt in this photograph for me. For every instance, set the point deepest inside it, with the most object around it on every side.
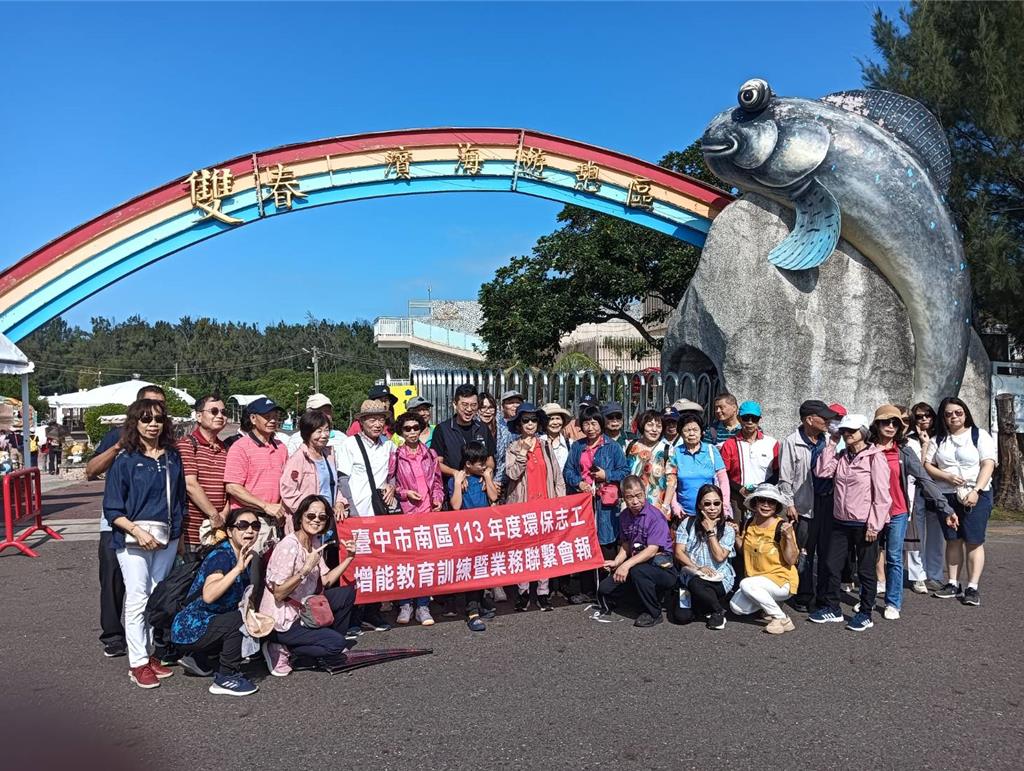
(205, 461)
(257, 466)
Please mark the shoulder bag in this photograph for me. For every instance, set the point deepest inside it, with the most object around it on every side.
(376, 499)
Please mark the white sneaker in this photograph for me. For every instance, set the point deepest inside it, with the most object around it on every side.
(891, 613)
(881, 589)
(405, 614)
(423, 616)
(919, 587)
(499, 594)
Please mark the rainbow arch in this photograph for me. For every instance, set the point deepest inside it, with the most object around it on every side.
(125, 239)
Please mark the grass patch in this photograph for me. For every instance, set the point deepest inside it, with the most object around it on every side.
(1007, 515)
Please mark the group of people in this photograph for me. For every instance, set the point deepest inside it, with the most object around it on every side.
(694, 515)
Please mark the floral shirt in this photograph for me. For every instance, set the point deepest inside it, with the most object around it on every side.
(649, 463)
(192, 621)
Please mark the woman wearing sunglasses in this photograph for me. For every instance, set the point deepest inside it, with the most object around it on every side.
(932, 547)
(144, 502)
(211, 621)
(887, 433)
(296, 571)
(961, 461)
(532, 474)
(703, 546)
(415, 471)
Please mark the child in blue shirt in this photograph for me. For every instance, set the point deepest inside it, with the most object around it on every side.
(480, 493)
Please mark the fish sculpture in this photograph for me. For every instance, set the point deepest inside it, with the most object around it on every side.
(873, 166)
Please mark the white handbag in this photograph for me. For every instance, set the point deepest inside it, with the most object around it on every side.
(160, 531)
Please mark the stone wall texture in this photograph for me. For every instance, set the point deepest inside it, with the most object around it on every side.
(838, 332)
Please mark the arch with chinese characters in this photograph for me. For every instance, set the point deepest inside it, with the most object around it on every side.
(212, 201)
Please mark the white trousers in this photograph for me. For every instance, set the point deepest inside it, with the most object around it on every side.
(543, 587)
(759, 593)
(142, 571)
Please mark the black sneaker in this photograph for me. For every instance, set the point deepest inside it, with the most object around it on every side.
(947, 592)
(971, 597)
(114, 651)
(646, 619)
(376, 625)
(544, 602)
(799, 606)
(522, 602)
(716, 621)
(487, 613)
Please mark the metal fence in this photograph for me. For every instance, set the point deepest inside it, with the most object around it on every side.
(637, 392)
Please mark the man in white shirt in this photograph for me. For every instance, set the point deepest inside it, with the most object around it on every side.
(322, 403)
(372, 417)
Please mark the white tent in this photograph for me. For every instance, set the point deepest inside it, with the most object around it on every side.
(243, 400)
(115, 393)
(14, 362)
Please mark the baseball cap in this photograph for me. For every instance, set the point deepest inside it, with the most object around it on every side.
(262, 406)
(378, 392)
(819, 408)
(418, 401)
(670, 413)
(588, 400)
(750, 408)
(612, 408)
(316, 401)
(855, 421)
(511, 394)
(837, 408)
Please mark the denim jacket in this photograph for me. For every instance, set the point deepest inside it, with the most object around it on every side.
(612, 459)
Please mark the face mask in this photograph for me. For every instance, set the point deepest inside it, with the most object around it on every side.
(833, 427)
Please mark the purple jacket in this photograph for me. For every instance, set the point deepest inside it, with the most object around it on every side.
(861, 484)
(420, 473)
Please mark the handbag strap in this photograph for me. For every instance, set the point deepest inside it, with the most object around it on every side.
(366, 460)
(167, 485)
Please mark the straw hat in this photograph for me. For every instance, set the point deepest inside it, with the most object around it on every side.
(371, 407)
(554, 408)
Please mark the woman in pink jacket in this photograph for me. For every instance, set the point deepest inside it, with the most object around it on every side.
(415, 471)
(861, 509)
(311, 469)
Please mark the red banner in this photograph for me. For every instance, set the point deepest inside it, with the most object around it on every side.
(417, 555)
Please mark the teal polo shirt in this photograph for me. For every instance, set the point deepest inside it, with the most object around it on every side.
(693, 470)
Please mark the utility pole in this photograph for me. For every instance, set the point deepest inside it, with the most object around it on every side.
(99, 378)
(175, 374)
(315, 353)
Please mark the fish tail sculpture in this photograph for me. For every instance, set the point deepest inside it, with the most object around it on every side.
(873, 166)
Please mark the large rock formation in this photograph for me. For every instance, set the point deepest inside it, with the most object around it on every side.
(838, 332)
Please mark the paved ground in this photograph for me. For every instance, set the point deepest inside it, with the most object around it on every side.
(943, 687)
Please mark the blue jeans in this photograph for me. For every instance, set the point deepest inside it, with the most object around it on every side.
(421, 602)
(893, 534)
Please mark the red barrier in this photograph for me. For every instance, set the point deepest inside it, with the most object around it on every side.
(23, 498)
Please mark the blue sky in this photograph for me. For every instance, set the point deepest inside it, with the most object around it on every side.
(115, 99)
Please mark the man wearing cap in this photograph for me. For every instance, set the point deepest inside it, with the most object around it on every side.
(422, 407)
(751, 456)
(727, 423)
(613, 422)
(322, 403)
(378, 393)
(510, 401)
(811, 496)
(670, 427)
(255, 463)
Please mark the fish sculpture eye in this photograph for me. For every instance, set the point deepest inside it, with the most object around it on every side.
(754, 95)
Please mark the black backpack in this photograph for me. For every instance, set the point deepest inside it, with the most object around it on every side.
(171, 594)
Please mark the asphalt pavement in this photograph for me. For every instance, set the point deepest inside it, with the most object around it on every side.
(942, 687)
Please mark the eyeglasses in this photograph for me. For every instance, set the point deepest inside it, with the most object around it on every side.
(922, 416)
(315, 517)
(410, 427)
(247, 524)
(891, 422)
(954, 413)
(750, 418)
(215, 411)
(712, 504)
(529, 419)
(147, 419)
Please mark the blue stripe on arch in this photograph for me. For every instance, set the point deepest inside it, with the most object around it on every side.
(183, 231)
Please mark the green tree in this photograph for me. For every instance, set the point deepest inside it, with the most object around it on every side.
(594, 268)
(10, 386)
(964, 61)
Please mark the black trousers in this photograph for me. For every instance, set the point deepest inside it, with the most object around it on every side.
(53, 460)
(648, 582)
(325, 642)
(706, 597)
(588, 579)
(223, 638)
(111, 594)
(812, 535)
(844, 538)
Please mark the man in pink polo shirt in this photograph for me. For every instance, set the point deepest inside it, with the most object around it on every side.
(252, 472)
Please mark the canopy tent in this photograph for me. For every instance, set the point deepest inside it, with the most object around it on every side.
(115, 393)
(14, 362)
(243, 400)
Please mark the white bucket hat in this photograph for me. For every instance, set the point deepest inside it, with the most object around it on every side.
(768, 492)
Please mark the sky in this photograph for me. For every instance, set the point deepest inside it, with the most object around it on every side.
(102, 102)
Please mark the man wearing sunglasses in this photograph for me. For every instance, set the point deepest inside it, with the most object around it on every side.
(202, 458)
(111, 580)
(751, 457)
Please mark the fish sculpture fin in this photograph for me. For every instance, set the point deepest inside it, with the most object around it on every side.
(907, 120)
(816, 233)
